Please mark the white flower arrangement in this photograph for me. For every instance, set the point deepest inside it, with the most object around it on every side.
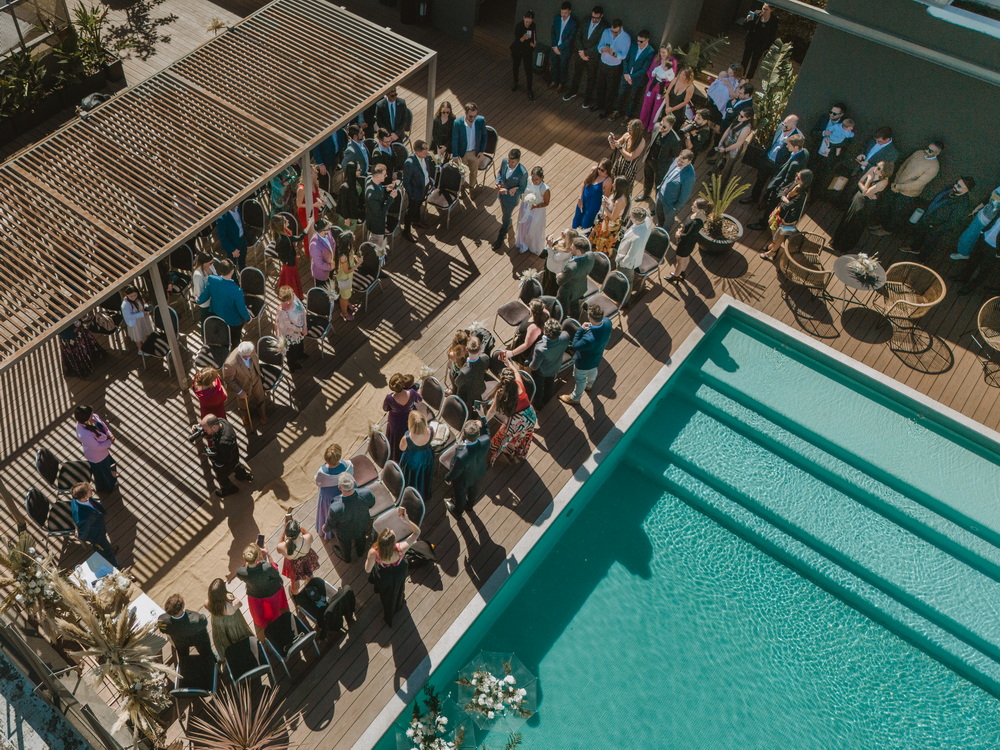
(427, 731)
(462, 167)
(437, 158)
(529, 273)
(494, 696)
(476, 326)
(529, 199)
(425, 372)
(864, 267)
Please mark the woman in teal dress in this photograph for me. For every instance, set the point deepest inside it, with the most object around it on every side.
(595, 187)
(417, 462)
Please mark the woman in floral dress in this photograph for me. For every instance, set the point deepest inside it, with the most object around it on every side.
(290, 326)
(605, 235)
(512, 404)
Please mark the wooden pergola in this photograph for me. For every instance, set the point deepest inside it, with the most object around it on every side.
(109, 195)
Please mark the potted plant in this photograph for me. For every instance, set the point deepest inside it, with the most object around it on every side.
(698, 55)
(91, 23)
(721, 230)
(236, 718)
(777, 81)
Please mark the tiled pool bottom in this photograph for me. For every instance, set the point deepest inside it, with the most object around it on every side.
(651, 625)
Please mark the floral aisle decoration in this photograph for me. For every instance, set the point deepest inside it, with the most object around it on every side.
(497, 691)
(865, 268)
(529, 273)
(442, 725)
(125, 653)
(30, 582)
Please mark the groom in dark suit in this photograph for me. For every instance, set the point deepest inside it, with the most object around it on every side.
(466, 473)
(418, 171)
(511, 184)
(392, 114)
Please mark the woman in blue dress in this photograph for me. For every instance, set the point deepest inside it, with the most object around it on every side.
(595, 187)
(417, 462)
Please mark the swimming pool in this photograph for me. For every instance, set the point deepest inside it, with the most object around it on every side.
(674, 602)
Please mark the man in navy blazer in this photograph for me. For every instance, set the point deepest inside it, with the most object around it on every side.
(512, 181)
(469, 467)
(468, 140)
(563, 31)
(356, 153)
(633, 75)
(418, 175)
(798, 158)
(675, 189)
(233, 240)
(392, 114)
(226, 300)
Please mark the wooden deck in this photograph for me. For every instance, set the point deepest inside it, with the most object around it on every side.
(178, 537)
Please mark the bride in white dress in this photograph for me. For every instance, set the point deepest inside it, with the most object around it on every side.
(531, 219)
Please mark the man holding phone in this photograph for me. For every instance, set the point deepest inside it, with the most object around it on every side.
(522, 50)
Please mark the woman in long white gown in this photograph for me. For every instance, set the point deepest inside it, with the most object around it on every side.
(531, 219)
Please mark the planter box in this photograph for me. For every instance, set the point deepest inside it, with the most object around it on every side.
(48, 106)
(115, 69)
(711, 246)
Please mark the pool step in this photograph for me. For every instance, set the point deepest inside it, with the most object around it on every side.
(945, 596)
(802, 450)
(953, 652)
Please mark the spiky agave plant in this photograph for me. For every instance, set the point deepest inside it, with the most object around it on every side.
(721, 196)
(236, 720)
(126, 653)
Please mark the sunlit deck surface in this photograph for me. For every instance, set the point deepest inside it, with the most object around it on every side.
(178, 537)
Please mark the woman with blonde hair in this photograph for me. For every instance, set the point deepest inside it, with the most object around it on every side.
(290, 326)
(872, 183)
(387, 567)
(265, 589)
(228, 624)
(208, 388)
(557, 258)
(628, 151)
(417, 461)
(677, 99)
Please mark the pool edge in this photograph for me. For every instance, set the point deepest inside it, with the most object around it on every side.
(418, 678)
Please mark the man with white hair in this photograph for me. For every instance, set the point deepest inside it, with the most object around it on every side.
(241, 373)
(349, 519)
(633, 243)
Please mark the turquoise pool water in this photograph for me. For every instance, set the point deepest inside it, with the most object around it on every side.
(694, 593)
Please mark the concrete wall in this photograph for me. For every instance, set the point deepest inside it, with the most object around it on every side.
(671, 20)
(921, 101)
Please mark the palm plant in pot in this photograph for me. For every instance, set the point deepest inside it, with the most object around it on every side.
(721, 230)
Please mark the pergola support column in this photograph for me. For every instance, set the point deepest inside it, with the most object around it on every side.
(168, 325)
(432, 68)
(307, 185)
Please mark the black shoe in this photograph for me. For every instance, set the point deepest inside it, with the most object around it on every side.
(452, 508)
(514, 87)
(409, 236)
(756, 226)
(569, 95)
(531, 95)
(225, 491)
(497, 246)
(747, 201)
(642, 197)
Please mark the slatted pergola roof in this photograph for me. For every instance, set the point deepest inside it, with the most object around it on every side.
(103, 198)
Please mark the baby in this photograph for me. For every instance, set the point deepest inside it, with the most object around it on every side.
(835, 137)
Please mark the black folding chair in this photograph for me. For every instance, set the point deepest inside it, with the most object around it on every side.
(61, 477)
(368, 274)
(272, 363)
(319, 308)
(254, 287)
(516, 312)
(367, 465)
(448, 192)
(215, 335)
(287, 636)
(612, 297)
(197, 676)
(387, 489)
(600, 271)
(55, 518)
(492, 141)
(248, 659)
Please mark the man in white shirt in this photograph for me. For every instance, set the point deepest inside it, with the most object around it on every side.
(614, 47)
(633, 244)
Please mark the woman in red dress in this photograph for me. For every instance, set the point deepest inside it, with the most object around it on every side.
(284, 247)
(211, 393)
(265, 590)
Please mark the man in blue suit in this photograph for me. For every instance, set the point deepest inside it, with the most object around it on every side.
(88, 515)
(511, 184)
(233, 240)
(469, 467)
(418, 171)
(327, 152)
(563, 31)
(356, 153)
(675, 189)
(468, 140)
(226, 300)
(633, 75)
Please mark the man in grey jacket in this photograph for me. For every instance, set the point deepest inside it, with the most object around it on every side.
(546, 360)
(573, 279)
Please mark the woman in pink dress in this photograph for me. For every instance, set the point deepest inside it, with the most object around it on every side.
(662, 71)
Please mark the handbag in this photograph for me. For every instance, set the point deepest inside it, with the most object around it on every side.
(101, 322)
(838, 183)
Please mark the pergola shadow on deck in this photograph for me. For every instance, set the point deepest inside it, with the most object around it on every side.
(446, 279)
